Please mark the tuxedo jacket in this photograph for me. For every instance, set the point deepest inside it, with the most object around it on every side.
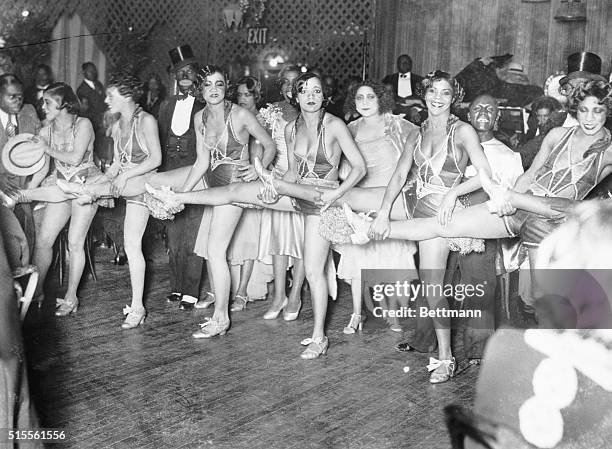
(96, 106)
(392, 80)
(170, 159)
(27, 122)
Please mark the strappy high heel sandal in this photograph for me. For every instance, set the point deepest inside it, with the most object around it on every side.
(239, 303)
(441, 370)
(359, 223)
(134, 317)
(272, 314)
(66, 306)
(171, 203)
(316, 347)
(211, 328)
(356, 323)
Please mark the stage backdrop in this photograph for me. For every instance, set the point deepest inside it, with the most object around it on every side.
(322, 33)
(448, 34)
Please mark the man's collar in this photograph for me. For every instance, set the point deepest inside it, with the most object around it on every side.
(4, 117)
(90, 83)
(404, 75)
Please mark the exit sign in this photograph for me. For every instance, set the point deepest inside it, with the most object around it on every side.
(257, 36)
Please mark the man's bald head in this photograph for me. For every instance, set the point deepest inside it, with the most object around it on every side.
(483, 112)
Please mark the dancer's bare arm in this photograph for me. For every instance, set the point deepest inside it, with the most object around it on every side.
(203, 157)
(148, 133)
(84, 135)
(467, 140)
(341, 134)
(291, 174)
(254, 128)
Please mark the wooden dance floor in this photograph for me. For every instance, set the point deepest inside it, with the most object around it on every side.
(156, 387)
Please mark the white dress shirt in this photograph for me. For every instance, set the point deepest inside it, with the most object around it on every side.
(182, 116)
(404, 87)
(4, 118)
(506, 165)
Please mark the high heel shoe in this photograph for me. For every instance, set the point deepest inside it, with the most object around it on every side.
(267, 178)
(7, 200)
(205, 303)
(66, 306)
(356, 323)
(211, 328)
(169, 198)
(134, 318)
(239, 303)
(291, 316)
(316, 347)
(359, 223)
(272, 314)
(441, 370)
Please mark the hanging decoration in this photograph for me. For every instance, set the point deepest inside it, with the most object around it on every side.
(253, 10)
(232, 15)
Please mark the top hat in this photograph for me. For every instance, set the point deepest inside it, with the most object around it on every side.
(181, 56)
(584, 65)
(23, 156)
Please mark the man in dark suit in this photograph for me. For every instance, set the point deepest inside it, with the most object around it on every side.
(404, 86)
(15, 118)
(178, 140)
(91, 95)
(33, 94)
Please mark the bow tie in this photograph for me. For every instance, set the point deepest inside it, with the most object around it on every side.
(405, 75)
(182, 97)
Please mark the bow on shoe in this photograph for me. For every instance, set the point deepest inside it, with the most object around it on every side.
(434, 364)
(60, 302)
(127, 310)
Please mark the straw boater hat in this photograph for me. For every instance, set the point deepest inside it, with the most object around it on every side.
(22, 156)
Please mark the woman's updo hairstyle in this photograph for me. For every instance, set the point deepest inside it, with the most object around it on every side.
(438, 75)
(299, 83)
(65, 97)
(127, 85)
(594, 88)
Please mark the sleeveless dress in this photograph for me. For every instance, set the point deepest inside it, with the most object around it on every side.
(226, 155)
(314, 168)
(381, 155)
(131, 153)
(85, 171)
(430, 178)
(559, 177)
(282, 233)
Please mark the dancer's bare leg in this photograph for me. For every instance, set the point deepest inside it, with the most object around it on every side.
(475, 221)
(54, 219)
(136, 218)
(81, 218)
(295, 295)
(433, 255)
(224, 221)
(48, 194)
(316, 249)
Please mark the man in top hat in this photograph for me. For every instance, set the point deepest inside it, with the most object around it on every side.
(15, 118)
(178, 140)
(404, 86)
